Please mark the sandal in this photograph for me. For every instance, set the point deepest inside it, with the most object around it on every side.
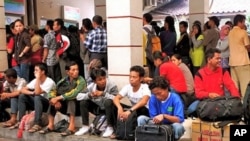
(34, 128)
(67, 133)
(9, 123)
(14, 126)
(46, 130)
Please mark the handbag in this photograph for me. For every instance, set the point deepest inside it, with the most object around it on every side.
(61, 126)
(220, 109)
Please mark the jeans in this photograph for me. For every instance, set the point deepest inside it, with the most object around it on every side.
(14, 105)
(192, 107)
(87, 106)
(23, 70)
(38, 103)
(177, 127)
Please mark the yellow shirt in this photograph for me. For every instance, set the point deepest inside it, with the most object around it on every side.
(238, 39)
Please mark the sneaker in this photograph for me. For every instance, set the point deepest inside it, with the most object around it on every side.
(108, 132)
(82, 130)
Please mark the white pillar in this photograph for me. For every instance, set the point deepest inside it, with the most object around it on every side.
(3, 53)
(124, 24)
(198, 10)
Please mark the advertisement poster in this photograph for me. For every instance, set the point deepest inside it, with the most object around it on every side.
(14, 6)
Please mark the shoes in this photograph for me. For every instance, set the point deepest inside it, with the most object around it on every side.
(108, 132)
(82, 130)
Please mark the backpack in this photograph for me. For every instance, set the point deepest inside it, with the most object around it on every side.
(74, 49)
(125, 130)
(246, 106)
(153, 43)
(98, 125)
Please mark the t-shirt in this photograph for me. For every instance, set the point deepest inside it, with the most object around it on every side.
(174, 76)
(46, 86)
(135, 97)
(172, 106)
(19, 84)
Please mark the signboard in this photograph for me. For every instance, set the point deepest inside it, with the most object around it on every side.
(71, 13)
(14, 7)
(10, 19)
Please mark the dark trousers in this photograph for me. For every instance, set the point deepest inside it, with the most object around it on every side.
(87, 106)
(54, 72)
(38, 103)
(70, 107)
(151, 68)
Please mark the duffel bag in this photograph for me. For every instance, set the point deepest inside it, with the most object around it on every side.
(220, 109)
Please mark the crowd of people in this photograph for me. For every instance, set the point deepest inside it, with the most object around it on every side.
(192, 66)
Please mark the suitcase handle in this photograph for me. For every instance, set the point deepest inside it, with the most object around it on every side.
(153, 129)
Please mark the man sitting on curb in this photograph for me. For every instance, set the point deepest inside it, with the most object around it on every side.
(164, 107)
(99, 96)
(63, 98)
(11, 90)
(35, 96)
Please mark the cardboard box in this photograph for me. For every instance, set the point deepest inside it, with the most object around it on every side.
(208, 131)
(200, 137)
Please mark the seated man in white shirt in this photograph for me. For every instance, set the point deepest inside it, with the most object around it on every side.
(137, 93)
(35, 96)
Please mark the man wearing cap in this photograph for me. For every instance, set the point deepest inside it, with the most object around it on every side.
(213, 34)
(36, 45)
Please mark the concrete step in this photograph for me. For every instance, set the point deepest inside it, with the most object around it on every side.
(12, 134)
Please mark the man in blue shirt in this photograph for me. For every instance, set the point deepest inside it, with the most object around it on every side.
(165, 107)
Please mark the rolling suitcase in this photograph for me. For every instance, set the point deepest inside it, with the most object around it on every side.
(152, 132)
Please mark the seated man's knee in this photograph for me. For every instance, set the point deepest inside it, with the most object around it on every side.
(84, 103)
(108, 103)
(21, 96)
(37, 98)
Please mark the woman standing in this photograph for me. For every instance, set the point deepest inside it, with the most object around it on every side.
(86, 28)
(223, 46)
(197, 49)
(22, 50)
(168, 37)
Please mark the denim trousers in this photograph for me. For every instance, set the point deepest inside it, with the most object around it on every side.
(23, 70)
(28, 102)
(178, 128)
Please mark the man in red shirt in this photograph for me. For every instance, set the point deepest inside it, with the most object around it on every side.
(211, 80)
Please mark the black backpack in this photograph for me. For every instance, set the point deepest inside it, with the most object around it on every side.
(74, 49)
(246, 105)
(125, 130)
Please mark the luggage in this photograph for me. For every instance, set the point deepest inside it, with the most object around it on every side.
(125, 130)
(246, 105)
(220, 109)
(151, 132)
(98, 125)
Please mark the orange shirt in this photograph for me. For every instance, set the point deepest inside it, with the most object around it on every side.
(238, 39)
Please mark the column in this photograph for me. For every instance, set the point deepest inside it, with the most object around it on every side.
(100, 8)
(198, 10)
(124, 24)
(3, 53)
